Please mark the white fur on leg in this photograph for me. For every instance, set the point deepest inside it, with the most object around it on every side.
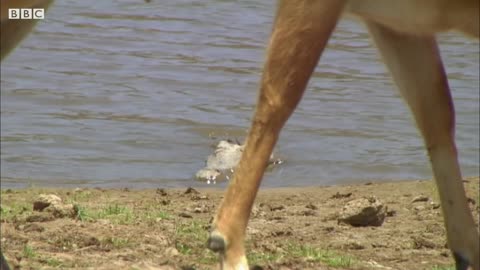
(241, 265)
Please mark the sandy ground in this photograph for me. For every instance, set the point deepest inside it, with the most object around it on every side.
(293, 228)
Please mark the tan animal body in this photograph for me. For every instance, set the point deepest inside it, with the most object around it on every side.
(404, 31)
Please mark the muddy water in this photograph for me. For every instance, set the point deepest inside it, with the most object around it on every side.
(125, 93)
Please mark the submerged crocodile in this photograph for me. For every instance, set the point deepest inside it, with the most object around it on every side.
(220, 165)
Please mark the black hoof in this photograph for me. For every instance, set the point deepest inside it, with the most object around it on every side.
(3, 262)
(256, 267)
(461, 263)
(216, 243)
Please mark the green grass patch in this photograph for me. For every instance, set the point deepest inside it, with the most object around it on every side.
(190, 239)
(80, 196)
(117, 242)
(184, 248)
(193, 230)
(115, 213)
(14, 210)
(28, 252)
(81, 212)
(52, 262)
(153, 214)
(208, 258)
(303, 252)
(314, 254)
(263, 257)
(120, 214)
(162, 215)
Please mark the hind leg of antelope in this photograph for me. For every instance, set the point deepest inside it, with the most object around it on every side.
(300, 33)
(417, 69)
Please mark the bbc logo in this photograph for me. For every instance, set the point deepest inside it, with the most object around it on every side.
(26, 13)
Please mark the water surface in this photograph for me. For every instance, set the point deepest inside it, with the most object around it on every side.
(124, 93)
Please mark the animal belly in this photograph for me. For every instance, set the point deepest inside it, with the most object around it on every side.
(409, 16)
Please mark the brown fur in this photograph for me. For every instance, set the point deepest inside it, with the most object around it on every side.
(13, 31)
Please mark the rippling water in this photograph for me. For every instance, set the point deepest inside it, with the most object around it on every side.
(124, 93)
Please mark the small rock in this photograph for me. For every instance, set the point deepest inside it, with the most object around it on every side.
(435, 205)
(420, 242)
(53, 204)
(171, 251)
(379, 245)
(281, 233)
(43, 201)
(471, 201)
(391, 213)
(185, 215)
(420, 198)
(329, 229)
(191, 190)
(311, 206)
(200, 209)
(165, 202)
(308, 213)
(161, 192)
(277, 208)
(197, 197)
(445, 254)
(419, 208)
(363, 212)
(339, 195)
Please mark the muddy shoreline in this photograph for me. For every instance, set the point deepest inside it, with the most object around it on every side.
(290, 228)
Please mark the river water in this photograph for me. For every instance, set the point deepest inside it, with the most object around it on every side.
(130, 94)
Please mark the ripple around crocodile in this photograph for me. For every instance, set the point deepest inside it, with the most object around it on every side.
(221, 163)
